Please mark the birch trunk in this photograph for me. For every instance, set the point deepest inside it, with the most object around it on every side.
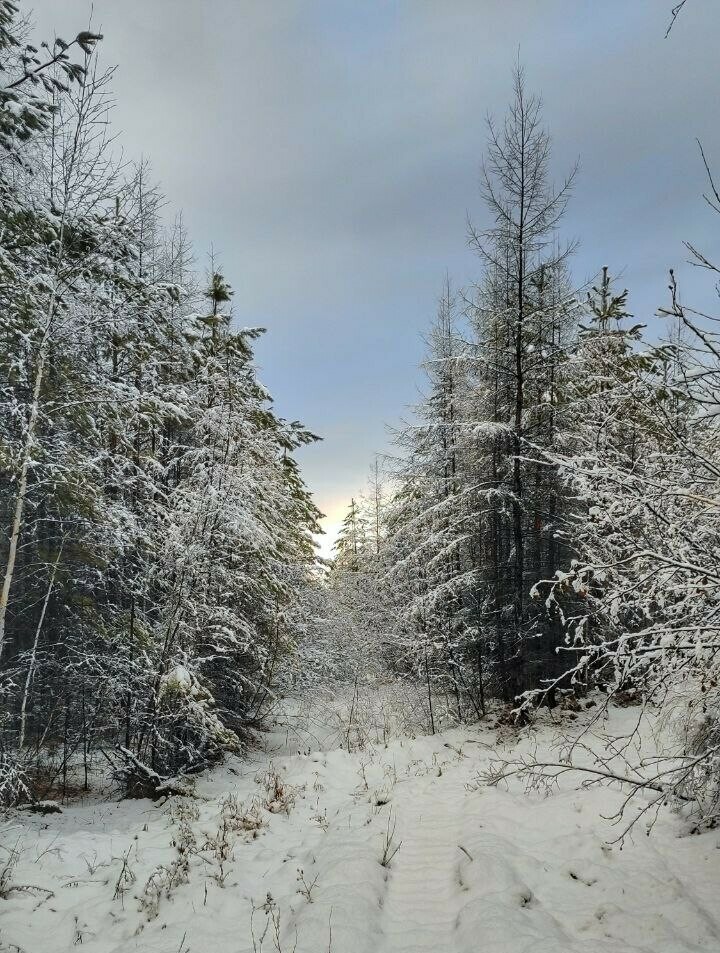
(22, 482)
(33, 654)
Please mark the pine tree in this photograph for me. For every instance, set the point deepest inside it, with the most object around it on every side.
(351, 544)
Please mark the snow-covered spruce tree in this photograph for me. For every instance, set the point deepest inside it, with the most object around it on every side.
(146, 361)
(428, 562)
(601, 398)
(235, 539)
(351, 546)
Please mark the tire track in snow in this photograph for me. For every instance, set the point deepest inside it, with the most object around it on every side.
(423, 895)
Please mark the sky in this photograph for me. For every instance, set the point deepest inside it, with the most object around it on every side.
(329, 151)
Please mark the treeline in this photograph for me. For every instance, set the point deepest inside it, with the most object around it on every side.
(550, 519)
(155, 527)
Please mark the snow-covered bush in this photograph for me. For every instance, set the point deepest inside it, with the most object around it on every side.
(13, 780)
(189, 728)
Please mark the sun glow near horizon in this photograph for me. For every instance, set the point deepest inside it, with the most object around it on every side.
(334, 511)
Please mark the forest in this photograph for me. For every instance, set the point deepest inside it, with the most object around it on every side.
(539, 552)
(158, 528)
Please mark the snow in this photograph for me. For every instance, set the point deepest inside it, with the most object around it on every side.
(179, 679)
(298, 831)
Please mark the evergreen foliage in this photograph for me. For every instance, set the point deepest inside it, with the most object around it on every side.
(155, 523)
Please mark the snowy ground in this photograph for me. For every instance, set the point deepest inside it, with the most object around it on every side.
(298, 834)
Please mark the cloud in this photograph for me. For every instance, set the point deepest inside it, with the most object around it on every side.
(330, 150)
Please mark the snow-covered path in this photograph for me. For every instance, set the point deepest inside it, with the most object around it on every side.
(421, 905)
(285, 852)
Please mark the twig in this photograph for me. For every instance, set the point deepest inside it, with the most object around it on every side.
(674, 14)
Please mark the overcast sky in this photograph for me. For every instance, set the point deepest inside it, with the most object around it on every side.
(330, 151)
